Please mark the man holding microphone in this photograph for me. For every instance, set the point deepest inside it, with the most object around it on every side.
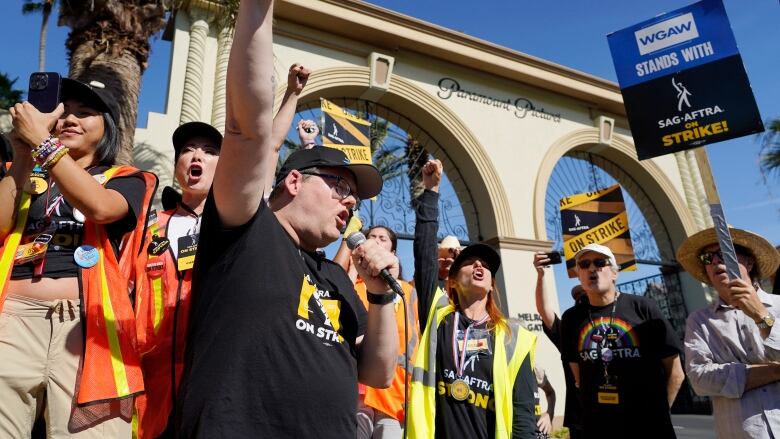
(278, 338)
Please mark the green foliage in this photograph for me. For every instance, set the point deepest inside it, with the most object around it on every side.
(8, 94)
(770, 149)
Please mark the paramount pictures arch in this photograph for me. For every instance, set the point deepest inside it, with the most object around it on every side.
(501, 121)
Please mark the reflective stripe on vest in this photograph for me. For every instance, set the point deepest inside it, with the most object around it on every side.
(110, 363)
(11, 243)
(158, 297)
(422, 401)
(390, 401)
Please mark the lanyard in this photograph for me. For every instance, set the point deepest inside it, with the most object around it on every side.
(196, 228)
(603, 340)
(455, 351)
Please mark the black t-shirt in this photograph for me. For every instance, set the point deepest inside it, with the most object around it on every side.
(268, 354)
(572, 408)
(638, 339)
(51, 213)
(475, 417)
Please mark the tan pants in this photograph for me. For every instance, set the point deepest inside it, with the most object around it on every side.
(41, 343)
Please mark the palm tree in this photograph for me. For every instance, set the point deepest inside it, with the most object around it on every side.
(109, 42)
(8, 94)
(44, 7)
(770, 149)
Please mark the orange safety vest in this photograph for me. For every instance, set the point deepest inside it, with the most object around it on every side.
(390, 401)
(163, 303)
(110, 363)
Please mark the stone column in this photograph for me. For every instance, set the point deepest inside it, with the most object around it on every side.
(193, 75)
(693, 164)
(691, 197)
(224, 42)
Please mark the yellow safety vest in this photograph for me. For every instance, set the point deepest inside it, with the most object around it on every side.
(422, 402)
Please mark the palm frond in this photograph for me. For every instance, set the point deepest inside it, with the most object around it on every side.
(769, 155)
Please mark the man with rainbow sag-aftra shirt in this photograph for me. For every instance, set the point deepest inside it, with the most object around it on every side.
(624, 355)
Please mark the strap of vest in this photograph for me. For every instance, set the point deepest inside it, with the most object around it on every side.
(157, 282)
(12, 242)
(157, 289)
(109, 318)
(424, 371)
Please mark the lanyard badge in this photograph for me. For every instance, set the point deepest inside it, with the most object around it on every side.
(608, 391)
(188, 246)
(33, 251)
(460, 388)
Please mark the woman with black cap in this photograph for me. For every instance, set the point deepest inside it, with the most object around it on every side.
(473, 373)
(71, 226)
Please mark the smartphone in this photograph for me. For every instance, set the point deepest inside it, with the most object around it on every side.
(44, 91)
(555, 257)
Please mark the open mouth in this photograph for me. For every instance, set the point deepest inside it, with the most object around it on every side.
(195, 171)
(478, 274)
(341, 219)
(593, 277)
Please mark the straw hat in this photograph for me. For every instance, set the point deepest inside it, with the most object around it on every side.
(450, 241)
(767, 257)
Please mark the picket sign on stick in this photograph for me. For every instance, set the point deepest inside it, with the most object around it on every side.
(716, 211)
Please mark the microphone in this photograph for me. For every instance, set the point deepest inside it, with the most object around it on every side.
(357, 239)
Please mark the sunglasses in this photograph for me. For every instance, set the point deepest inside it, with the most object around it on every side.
(707, 258)
(598, 263)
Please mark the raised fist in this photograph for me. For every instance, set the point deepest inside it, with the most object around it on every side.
(431, 175)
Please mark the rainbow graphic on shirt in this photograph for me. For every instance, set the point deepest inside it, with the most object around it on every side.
(625, 346)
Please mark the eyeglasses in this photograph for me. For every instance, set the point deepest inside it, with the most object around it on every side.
(341, 187)
(598, 263)
(708, 258)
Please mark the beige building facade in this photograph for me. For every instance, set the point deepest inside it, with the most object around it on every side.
(501, 119)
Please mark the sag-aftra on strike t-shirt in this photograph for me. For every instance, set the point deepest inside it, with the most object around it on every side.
(638, 338)
(271, 350)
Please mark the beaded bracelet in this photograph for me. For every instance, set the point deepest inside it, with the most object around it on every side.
(54, 158)
(42, 151)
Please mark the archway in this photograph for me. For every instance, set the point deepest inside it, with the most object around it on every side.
(456, 146)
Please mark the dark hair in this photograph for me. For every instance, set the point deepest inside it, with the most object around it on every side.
(108, 147)
(393, 244)
(390, 233)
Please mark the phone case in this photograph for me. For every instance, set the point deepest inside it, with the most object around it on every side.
(44, 91)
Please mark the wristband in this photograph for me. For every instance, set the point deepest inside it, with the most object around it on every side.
(54, 158)
(380, 299)
(45, 149)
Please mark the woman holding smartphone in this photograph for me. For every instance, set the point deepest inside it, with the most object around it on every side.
(70, 225)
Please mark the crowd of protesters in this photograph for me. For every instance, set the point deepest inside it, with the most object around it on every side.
(220, 316)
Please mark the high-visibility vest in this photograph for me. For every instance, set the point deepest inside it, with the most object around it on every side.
(162, 303)
(509, 353)
(390, 401)
(111, 366)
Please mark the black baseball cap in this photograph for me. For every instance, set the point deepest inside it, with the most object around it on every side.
(369, 182)
(189, 130)
(484, 252)
(93, 93)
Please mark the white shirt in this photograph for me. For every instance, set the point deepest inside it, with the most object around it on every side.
(182, 223)
(720, 342)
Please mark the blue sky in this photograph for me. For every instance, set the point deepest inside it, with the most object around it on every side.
(570, 33)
